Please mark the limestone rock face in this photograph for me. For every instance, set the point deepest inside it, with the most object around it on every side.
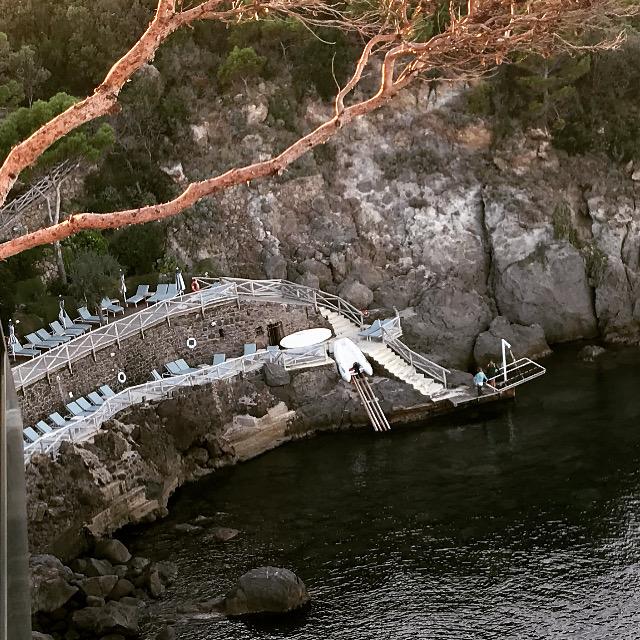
(266, 590)
(114, 617)
(525, 341)
(50, 588)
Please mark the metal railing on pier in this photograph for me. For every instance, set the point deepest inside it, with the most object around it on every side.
(517, 372)
(80, 429)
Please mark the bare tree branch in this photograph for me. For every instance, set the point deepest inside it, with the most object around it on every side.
(480, 34)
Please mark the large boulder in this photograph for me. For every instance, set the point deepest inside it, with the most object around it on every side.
(113, 551)
(92, 567)
(114, 617)
(275, 375)
(525, 341)
(50, 588)
(266, 590)
(356, 293)
(100, 586)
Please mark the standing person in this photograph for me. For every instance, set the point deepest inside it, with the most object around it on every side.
(492, 369)
(479, 380)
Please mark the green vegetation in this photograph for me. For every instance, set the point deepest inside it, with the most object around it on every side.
(240, 64)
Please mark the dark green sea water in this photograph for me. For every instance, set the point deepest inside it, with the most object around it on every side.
(522, 524)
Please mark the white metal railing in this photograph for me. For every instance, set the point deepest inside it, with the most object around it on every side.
(518, 372)
(417, 361)
(113, 333)
(80, 429)
(292, 292)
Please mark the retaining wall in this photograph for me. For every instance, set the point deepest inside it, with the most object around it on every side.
(223, 329)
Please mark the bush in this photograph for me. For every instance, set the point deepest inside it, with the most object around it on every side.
(138, 247)
(240, 64)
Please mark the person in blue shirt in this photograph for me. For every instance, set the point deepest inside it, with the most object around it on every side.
(479, 380)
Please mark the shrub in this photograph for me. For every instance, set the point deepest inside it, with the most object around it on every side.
(240, 64)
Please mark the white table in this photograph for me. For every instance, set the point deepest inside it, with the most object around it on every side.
(305, 338)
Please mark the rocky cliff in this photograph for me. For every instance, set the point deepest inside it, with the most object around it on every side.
(417, 205)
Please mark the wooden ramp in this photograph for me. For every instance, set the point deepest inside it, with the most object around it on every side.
(371, 404)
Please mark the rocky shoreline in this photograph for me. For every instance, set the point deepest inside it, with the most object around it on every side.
(128, 472)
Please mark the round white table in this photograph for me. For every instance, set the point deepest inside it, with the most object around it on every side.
(305, 338)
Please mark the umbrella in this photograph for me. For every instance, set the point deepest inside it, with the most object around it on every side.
(13, 341)
(61, 313)
(123, 287)
(180, 282)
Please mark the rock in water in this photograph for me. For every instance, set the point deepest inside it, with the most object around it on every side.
(50, 588)
(113, 551)
(114, 617)
(266, 590)
(591, 352)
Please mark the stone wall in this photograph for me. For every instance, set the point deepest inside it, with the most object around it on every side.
(223, 329)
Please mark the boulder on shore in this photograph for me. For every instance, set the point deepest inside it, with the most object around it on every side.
(113, 551)
(114, 617)
(266, 590)
(525, 341)
(50, 588)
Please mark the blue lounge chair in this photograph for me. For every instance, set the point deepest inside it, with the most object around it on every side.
(140, 295)
(109, 307)
(76, 411)
(44, 335)
(184, 367)
(85, 405)
(273, 347)
(85, 316)
(174, 369)
(219, 358)
(24, 352)
(59, 331)
(160, 294)
(107, 391)
(43, 427)
(155, 376)
(70, 324)
(96, 398)
(30, 434)
(58, 420)
(249, 349)
(172, 291)
(39, 343)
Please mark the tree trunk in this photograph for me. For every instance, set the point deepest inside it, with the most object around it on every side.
(62, 272)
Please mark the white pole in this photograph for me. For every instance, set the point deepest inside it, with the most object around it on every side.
(505, 346)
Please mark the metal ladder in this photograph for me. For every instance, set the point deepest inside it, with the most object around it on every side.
(371, 404)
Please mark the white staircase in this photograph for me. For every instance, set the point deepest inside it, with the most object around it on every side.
(380, 352)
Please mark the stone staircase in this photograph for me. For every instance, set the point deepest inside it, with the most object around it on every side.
(383, 355)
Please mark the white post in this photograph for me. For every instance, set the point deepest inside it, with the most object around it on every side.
(505, 346)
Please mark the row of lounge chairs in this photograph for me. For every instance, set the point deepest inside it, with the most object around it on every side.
(80, 407)
(162, 292)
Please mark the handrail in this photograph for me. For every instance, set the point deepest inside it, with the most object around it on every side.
(102, 337)
(80, 429)
(416, 360)
(518, 372)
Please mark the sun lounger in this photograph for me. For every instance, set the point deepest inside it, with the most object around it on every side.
(155, 376)
(58, 420)
(249, 349)
(43, 427)
(184, 367)
(44, 335)
(30, 434)
(76, 411)
(109, 307)
(273, 347)
(24, 352)
(86, 405)
(172, 291)
(160, 294)
(60, 331)
(140, 295)
(85, 316)
(39, 343)
(174, 369)
(70, 324)
(219, 358)
(96, 398)
(107, 391)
